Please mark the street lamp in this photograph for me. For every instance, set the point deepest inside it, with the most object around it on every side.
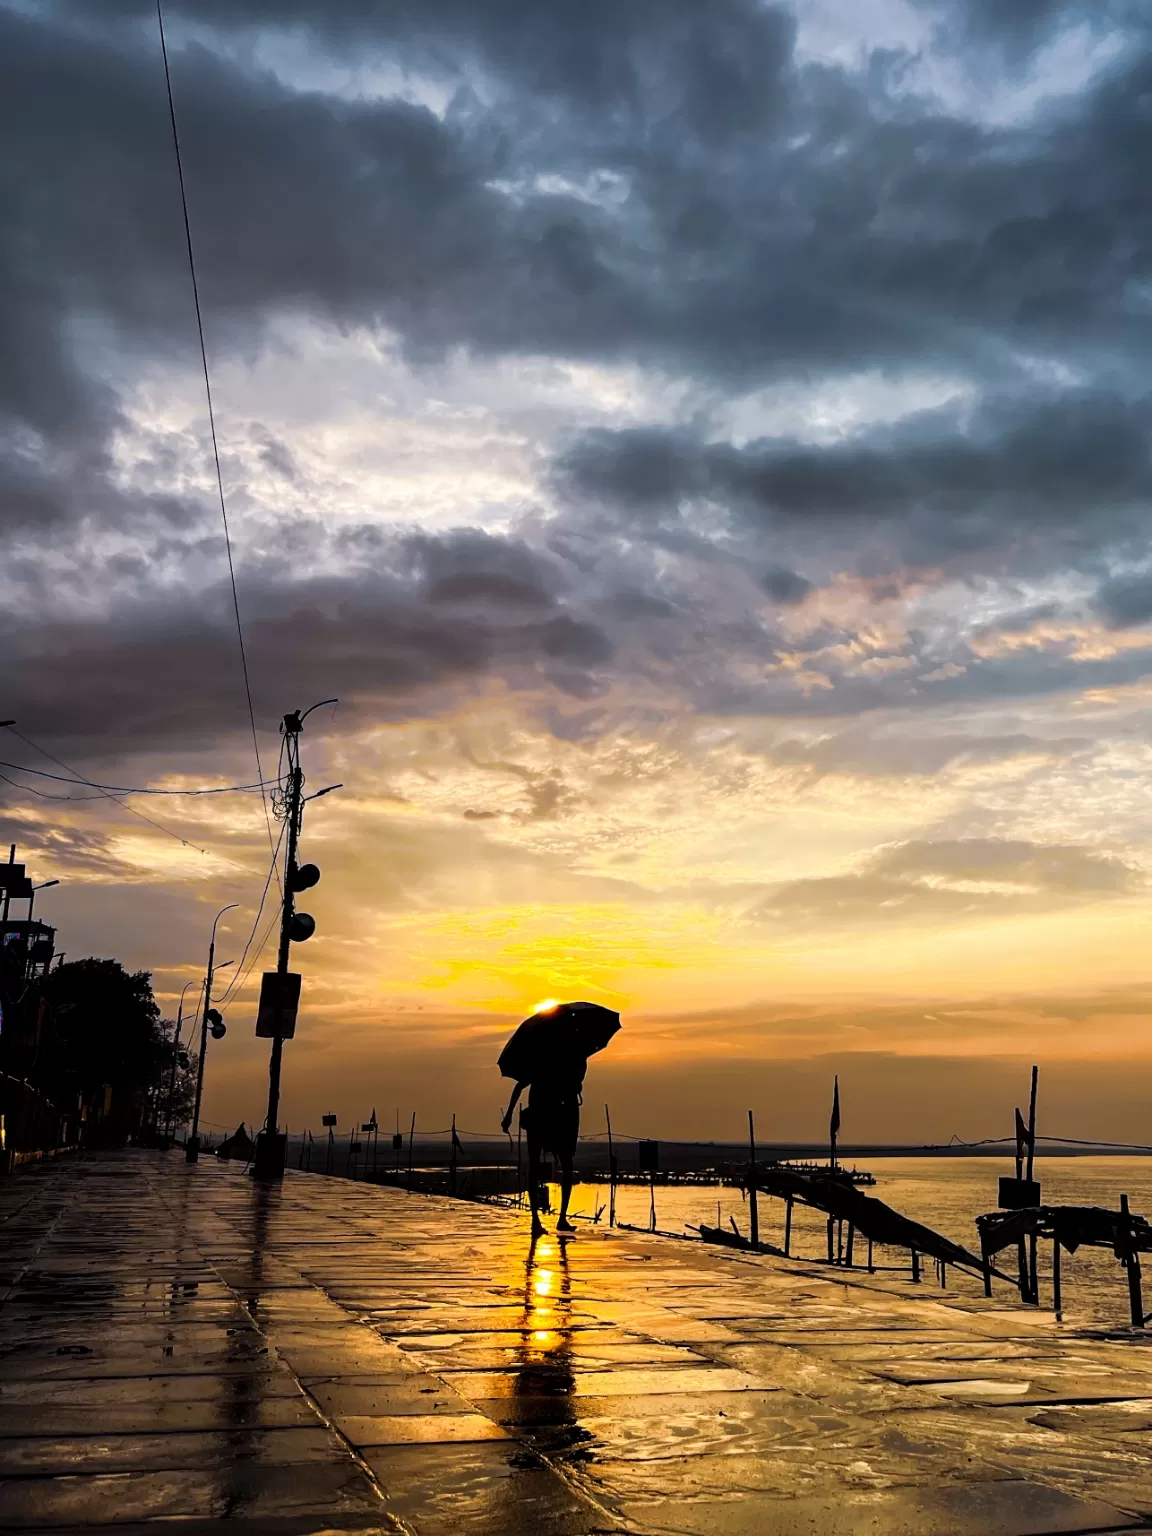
(168, 1126)
(43, 886)
(280, 990)
(192, 1146)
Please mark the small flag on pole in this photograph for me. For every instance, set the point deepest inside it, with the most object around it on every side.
(834, 1123)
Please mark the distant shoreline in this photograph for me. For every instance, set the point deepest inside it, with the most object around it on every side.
(673, 1156)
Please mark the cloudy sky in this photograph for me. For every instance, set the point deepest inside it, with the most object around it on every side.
(705, 448)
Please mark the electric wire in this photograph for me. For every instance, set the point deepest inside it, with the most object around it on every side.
(124, 789)
(211, 414)
(115, 799)
(240, 979)
(42, 794)
(240, 974)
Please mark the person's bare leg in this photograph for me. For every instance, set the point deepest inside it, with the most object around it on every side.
(534, 1186)
(564, 1225)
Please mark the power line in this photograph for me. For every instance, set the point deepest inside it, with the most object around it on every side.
(212, 415)
(123, 789)
(41, 794)
(240, 978)
(237, 977)
(108, 795)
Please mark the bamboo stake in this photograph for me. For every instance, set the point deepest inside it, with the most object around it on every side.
(753, 1208)
(1033, 1280)
(611, 1171)
(1132, 1264)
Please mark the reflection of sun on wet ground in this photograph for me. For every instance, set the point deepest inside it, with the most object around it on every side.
(542, 1330)
(545, 1382)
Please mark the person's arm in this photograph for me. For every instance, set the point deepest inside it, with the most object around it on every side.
(507, 1120)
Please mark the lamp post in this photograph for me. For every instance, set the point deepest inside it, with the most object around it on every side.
(168, 1126)
(43, 886)
(295, 927)
(192, 1146)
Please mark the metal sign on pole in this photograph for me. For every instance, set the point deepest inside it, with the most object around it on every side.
(279, 1005)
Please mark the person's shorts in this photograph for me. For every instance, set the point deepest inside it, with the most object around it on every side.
(554, 1125)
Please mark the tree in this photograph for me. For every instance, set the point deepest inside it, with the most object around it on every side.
(105, 1043)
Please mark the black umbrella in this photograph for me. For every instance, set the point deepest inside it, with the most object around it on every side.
(551, 1039)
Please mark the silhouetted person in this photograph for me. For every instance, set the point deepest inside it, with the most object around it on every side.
(552, 1122)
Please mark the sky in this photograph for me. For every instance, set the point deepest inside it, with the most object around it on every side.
(704, 449)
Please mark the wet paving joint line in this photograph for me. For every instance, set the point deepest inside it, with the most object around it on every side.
(46, 1234)
(354, 1456)
(611, 1520)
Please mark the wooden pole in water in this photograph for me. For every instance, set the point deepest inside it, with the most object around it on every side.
(1056, 1306)
(851, 1238)
(871, 1266)
(1032, 1122)
(986, 1260)
(452, 1161)
(1132, 1264)
(915, 1267)
(1033, 1279)
(753, 1208)
(788, 1227)
(411, 1139)
(611, 1171)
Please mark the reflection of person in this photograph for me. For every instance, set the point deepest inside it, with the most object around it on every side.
(552, 1121)
(543, 1354)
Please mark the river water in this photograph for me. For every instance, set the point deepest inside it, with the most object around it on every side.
(944, 1193)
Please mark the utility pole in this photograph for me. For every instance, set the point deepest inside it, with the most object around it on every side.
(207, 1022)
(280, 991)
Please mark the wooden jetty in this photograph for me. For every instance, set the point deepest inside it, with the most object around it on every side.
(851, 1215)
(1067, 1227)
(729, 1175)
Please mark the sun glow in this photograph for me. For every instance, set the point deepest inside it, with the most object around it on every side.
(549, 1002)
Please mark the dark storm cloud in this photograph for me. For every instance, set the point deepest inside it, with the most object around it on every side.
(946, 483)
(785, 586)
(768, 216)
(953, 881)
(1024, 25)
(1125, 601)
(641, 182)
(383, 637)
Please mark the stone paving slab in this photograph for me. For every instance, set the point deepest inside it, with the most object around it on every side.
(181, 1344)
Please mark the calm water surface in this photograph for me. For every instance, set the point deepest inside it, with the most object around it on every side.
(945, 1193)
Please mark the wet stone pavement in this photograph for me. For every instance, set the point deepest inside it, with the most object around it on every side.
(182, 1344)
